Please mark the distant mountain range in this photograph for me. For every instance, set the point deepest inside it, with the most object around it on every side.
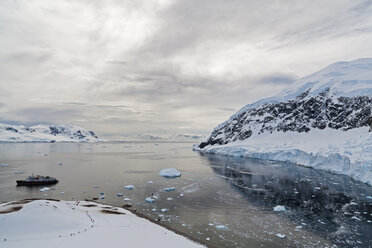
(323, 120)
(46, 133)
(178, 137)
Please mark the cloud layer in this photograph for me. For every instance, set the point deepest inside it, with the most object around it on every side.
(165, 66)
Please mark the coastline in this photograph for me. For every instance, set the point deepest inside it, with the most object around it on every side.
(72, 216)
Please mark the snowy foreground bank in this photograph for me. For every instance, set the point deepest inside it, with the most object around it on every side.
(348, 153)
(49, 223)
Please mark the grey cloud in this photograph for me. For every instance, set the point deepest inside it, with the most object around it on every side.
(148, 66)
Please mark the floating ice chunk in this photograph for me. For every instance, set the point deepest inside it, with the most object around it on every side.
(169, 172)
(221, 227)
(102, 197)
(119, 194)
(369, 197)
(44, 189)
(282, 236)
(355, 218)
(181, 195)
(149, 199)
(101, 193)
(153, 210)
(149, 182)
(169, 189)
(62, 193)
(279, 208)
(3, 165)
(59, 163)
(45, 195)
(207, 239)
(19, 172)
(298, 227)
(95, 187)
(211, 224)
(169, 199)
(161, 215)
(164, 210)
(129, 187)
(126, 199)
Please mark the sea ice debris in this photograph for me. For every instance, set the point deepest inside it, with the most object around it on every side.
(279, 208)
(169, 172)
(129, 187)
(221, 227)
(149, 199)
(44, 189)
(169, 189)
(282, 236)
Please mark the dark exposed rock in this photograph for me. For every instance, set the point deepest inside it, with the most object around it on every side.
(298, 115)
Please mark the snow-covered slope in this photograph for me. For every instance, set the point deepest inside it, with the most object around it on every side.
(46, 133)
(51, 223)
(323, 120)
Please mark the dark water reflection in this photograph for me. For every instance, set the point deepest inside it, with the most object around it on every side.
(335, 206)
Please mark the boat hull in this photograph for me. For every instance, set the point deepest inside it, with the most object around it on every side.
(26, 183)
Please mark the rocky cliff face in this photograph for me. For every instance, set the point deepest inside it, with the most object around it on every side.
(301, 114)
(338, 97)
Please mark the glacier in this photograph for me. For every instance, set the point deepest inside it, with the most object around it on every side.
(322, 121)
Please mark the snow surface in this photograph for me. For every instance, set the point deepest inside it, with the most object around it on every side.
(347, 152)
(169, 172)
(45, 223)
(46, 133)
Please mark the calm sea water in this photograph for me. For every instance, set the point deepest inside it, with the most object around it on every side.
(224, 201)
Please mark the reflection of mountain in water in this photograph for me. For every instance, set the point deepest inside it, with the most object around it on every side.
(335, 206)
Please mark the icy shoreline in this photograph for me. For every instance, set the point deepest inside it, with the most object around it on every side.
(49, 223)
(348, 153)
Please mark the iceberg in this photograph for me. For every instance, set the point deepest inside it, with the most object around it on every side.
(169, 173)
(130, 187)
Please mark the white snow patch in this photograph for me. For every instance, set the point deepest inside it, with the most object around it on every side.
(67, 224)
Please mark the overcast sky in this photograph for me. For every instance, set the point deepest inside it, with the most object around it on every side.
(158, 67)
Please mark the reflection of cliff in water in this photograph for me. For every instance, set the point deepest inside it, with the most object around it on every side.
(336, 206)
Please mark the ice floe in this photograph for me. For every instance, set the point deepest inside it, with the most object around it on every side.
(129, 187)
(279, 208)
(44, 189)
(169, 172)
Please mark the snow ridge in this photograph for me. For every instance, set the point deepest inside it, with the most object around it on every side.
(46, 133)
(323, 121)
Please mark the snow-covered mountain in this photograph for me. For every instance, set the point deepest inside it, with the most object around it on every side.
(323, 120)
(46, 133)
